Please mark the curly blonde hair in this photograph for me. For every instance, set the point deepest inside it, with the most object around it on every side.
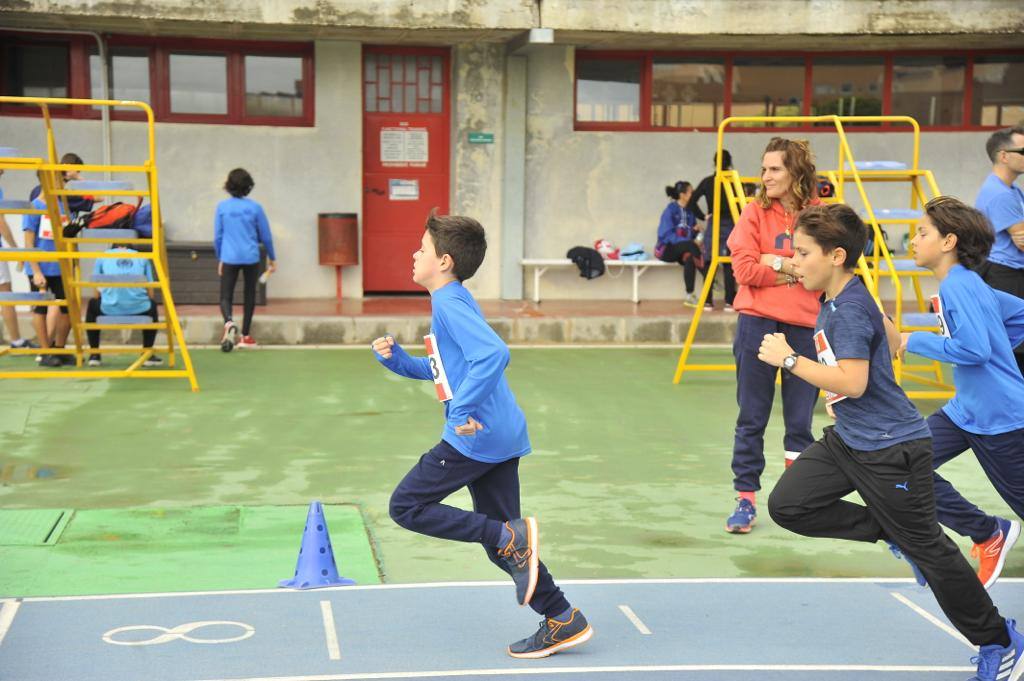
(799, 161)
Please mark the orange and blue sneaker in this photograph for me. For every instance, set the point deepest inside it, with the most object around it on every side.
(991, 554)
(743, 518)
(918, 575)
(520, 556)
(553, 636)
(996, 663)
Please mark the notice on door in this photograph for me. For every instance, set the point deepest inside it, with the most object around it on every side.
(403, 190)
(404, 147)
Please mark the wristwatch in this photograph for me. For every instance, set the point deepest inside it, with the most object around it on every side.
(790, 362)
(777, 263)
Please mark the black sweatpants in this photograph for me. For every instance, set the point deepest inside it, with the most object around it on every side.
(228, 280)
(94, 310)
(677, 253)
(896, 486)
(494, 487)
(1010, 280)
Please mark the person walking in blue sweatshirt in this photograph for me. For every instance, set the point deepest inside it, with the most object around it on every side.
(483, 439)
(239, 227)
(979, 328)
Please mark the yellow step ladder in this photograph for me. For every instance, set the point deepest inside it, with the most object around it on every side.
(74, 262)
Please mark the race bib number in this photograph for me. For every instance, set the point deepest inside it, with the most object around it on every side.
(444, 391)
(943, 326)
(828, 358)
(46, 227)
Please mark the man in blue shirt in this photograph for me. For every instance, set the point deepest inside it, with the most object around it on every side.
(51, 327)
(1002, 202)
(483, 438)
(979, 327)
(880, 446)
(122, 300)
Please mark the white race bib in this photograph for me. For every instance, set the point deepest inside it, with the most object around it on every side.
(827, 357)
(937, 306)
(45, 228)
(444, 391)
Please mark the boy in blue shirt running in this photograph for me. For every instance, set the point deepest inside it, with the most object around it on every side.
(484, 435)
(979, 327)
(879, 447)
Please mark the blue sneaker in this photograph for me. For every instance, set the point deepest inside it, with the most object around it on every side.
(996, 663)
(520, 557)
(918, 575)
(742, 519)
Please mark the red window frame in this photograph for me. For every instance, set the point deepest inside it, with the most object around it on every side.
(646, 82)
(79, 85)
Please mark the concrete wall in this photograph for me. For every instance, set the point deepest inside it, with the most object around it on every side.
(585, 185)
(299, 172)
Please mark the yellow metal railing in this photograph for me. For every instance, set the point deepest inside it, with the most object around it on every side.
(56, 195)
(869, 267)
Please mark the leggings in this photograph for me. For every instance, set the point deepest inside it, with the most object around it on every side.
(227, 292)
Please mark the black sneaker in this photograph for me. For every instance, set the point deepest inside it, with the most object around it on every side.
(95, 361)
(520, 556)
(67, 360)
(50, 361)
(553, 637)
(154, 361)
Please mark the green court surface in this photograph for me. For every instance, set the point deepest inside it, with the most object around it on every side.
(171, 490)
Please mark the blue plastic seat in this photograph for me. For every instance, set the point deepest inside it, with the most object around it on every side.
(118, 278)
(108, 234)
(921, 319)
(10, 204)
(99, 185)
(901, 265)
(880, 165)
(26, 296)
(895, 214)
(125, 319)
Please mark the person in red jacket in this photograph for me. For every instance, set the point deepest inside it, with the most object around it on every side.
(770, 300)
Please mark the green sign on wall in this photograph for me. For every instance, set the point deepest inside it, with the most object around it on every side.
(481, 138)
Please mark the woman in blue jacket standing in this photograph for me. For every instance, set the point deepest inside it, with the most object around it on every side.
(677, 237)
(239, 227)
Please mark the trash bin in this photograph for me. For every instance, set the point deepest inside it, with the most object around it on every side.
(339, 238)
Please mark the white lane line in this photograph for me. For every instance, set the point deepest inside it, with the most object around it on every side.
(333, 651)
(8, 609)
(933, 619)
(535, 671)
(631, 616)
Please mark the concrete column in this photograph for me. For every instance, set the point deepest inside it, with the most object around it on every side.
(514, 185)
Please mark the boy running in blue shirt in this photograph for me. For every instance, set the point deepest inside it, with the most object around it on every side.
(879, 447)
(484, 435)
(979, 327)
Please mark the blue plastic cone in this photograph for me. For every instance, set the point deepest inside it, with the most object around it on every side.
(315, 567)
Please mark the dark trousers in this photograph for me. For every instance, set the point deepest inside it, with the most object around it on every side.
(725, 268)
(755, 392)
(678, 253)
(999, 456)
(896, 486)
(228, 280)
(494, 488)
(94, 310)
(1010, 280)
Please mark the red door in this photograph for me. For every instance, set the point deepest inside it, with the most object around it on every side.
(405, 158)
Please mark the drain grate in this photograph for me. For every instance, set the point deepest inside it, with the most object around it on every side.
(33, 527)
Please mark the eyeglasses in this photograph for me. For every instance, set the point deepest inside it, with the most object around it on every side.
(1014, 151)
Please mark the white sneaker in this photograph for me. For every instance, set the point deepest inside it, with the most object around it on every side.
(95, 361)
(230, 337)
(690, 299)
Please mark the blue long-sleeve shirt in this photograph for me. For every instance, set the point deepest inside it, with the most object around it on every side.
(474, 359)
(676, 224)
(982, 327)
(239, 227)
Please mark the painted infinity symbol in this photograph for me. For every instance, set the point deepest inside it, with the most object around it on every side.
(181, 632)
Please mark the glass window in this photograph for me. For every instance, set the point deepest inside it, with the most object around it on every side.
(687, 93)
(199, 83)
(128, 75)
(769, 86)
(400, 83)
(847, 86)
(273, 86)
(998, 97)
(608, 90)
(931, 89)
(36, 70)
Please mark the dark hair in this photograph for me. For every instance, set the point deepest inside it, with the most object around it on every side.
(677, 190)
(460, 237)
(239, 183)
(974, 233)
(70, 158)
(835, 226)
(1001, 139)
(799, 161)
(726, 159)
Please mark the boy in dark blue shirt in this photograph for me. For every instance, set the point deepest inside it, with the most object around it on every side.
(979, 327)
(879, 447)
(484, 435)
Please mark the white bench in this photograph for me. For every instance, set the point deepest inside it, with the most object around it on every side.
(540, 266)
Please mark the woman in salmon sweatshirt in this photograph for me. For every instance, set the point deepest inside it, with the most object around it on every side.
(770, 300)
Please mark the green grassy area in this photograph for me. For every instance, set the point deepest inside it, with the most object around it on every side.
(629, 474)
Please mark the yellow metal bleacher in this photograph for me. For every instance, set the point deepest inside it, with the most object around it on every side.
(879, 263)
(71, 259)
